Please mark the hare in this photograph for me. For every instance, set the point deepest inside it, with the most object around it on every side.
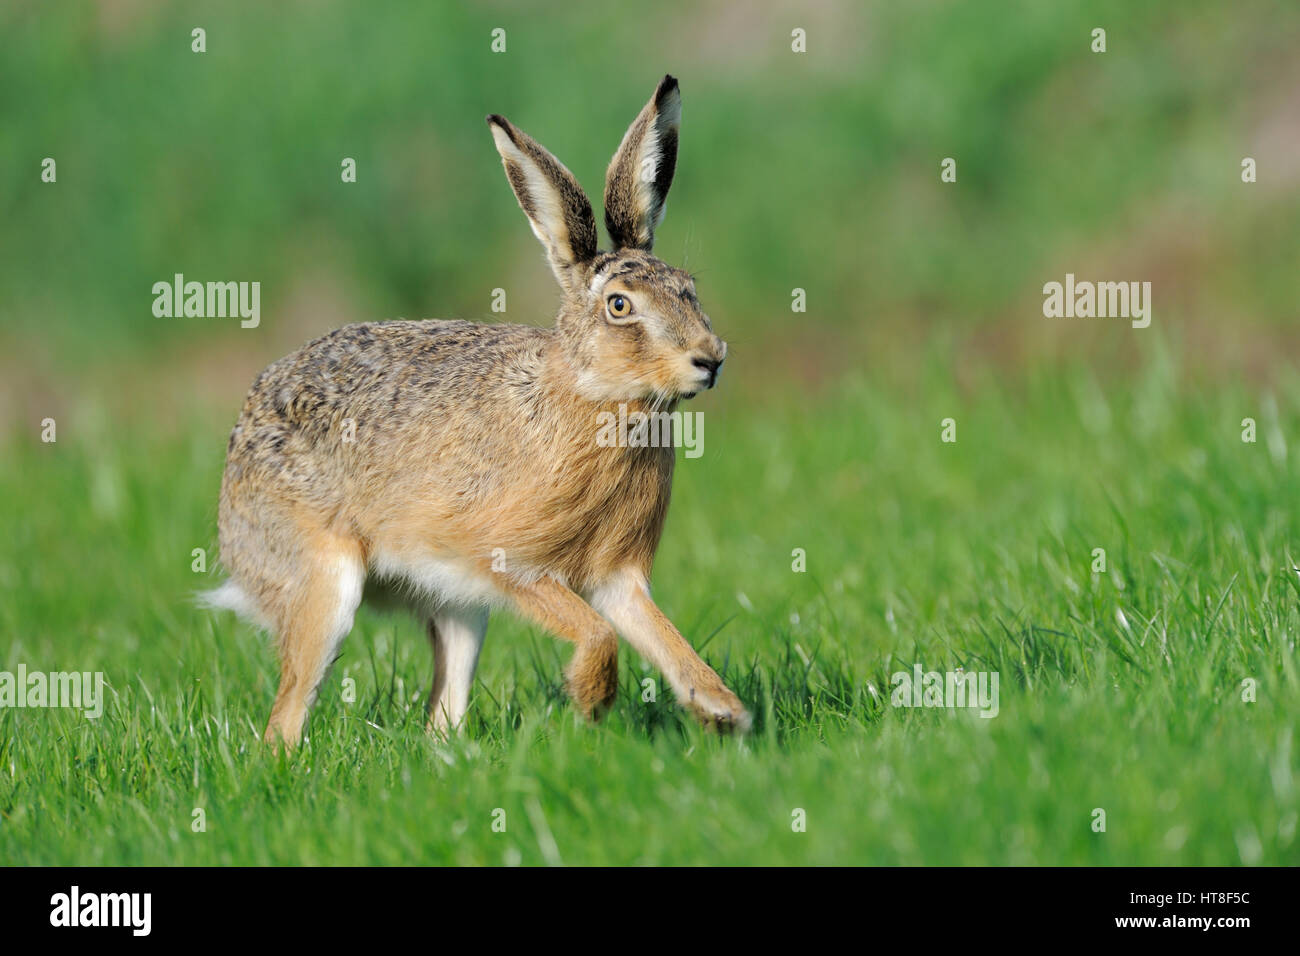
(457, 464)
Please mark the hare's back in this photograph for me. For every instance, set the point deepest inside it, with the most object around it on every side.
(389, 366)
(375, 382)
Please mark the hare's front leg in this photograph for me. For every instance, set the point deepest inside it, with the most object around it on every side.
(625, 601)
(592, 675)
(457, 637)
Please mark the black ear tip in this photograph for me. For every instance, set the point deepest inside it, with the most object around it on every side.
(497, 121)
(666, 86)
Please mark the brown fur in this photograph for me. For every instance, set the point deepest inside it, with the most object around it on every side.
(474, 442)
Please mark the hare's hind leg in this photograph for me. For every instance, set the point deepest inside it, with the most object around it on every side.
(457, 637)
(317, 616)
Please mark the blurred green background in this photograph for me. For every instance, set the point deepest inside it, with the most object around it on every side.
(817, 171)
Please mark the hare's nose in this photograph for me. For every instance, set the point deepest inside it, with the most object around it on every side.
(709, 365)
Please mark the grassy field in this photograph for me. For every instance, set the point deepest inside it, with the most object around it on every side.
(1120, 691)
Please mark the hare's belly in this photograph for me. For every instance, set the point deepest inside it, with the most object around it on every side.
(428, 581)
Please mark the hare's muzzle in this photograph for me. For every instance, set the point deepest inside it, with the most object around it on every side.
(709, 369)
(707, 359)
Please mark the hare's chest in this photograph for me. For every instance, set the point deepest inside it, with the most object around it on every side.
(604, 514)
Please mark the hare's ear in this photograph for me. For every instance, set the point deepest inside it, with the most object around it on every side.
(556, 207)
(640, 173)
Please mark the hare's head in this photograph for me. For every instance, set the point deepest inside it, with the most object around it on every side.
(631, 323)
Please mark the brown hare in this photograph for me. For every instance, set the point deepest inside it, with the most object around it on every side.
(457, 464)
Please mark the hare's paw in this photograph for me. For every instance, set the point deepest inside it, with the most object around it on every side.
(719, 709)
(592, 676)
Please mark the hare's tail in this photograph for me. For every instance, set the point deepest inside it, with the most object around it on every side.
(231, 597)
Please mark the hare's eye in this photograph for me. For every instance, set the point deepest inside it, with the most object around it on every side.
(620, 306)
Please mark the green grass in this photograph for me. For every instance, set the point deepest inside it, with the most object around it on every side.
(1119, 691)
